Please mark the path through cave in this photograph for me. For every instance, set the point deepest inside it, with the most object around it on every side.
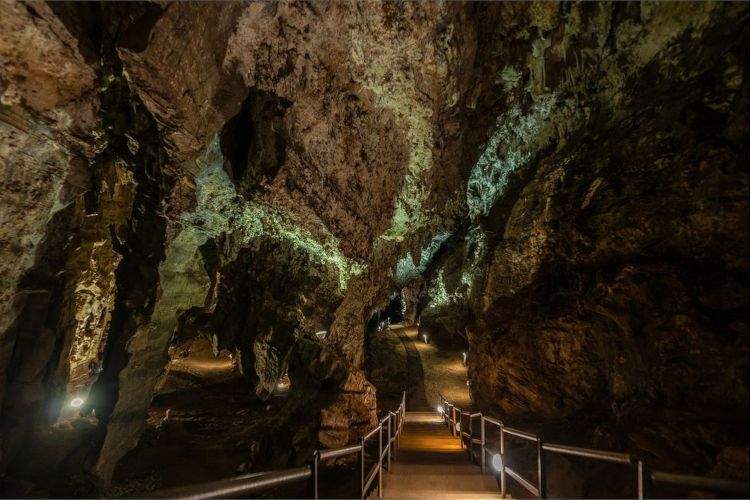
(554, 193)
(415, 386)
(432, 370)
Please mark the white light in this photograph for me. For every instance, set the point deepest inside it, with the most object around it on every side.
(468, 383)
(497, 462)
(424, 336)
(321, 334)
(440, 409)
(458, 427)
(76, 402)
(465, 356)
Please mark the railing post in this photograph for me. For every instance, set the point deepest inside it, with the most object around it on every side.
(471, 440)
(453, 420)
(362, 469)
(397, 432)
(314, 475)
(643, 482)
(481, 438)
(380, 462)
(397, 441)
(390, 437)
(502, 460)
(460, 427)
(541, 468)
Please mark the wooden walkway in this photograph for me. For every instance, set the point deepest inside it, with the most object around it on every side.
(431, 464)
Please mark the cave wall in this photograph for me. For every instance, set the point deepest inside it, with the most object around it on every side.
(536, 175)
(47, 108)
(274, 129)
(612, 194)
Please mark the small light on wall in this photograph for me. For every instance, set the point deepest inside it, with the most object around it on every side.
(497, 462)
(440, 409)
(468, 383)
(458, 427)
(76, 402)
(424, 336)
(466, 356)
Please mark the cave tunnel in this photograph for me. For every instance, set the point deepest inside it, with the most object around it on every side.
(347, 249)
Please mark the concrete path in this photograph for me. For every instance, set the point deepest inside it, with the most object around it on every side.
(416, 398)
(431, 464)
(431, 370)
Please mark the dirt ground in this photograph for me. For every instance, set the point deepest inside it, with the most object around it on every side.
(202, 426)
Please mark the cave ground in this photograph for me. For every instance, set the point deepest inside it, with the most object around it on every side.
(208, 433)
(432, 371)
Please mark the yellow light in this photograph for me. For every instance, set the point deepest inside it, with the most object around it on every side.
(76, 402)
(497, 462)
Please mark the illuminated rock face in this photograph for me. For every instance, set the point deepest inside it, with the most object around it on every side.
(280, 174)
(613, 198)
(47, 111)
(560, 184)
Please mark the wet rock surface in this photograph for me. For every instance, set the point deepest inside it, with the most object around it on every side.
(562, 186)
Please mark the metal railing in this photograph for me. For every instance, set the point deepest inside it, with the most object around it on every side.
(260, 482)
(643, 477)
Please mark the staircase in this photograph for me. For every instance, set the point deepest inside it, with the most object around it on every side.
(432, 464)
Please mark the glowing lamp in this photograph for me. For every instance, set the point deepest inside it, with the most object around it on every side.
(497, 462)
(76, 402)
(440, 409)
(458, 427)
(465, 357)
(424, 336)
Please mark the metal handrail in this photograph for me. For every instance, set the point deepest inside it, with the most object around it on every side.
(644, 479)
(339, 452)
(522, 481)
(239, 486)
(384, 452)
(515, 432)
(371, 477)
(260, 482)
(607, 456)
(370, 434)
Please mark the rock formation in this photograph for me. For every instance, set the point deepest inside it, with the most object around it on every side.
(563, 186)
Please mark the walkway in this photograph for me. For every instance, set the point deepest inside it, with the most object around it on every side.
(431, 464)
(431, 370)
(415, 392)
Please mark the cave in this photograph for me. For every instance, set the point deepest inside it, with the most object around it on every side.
(347, 249)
